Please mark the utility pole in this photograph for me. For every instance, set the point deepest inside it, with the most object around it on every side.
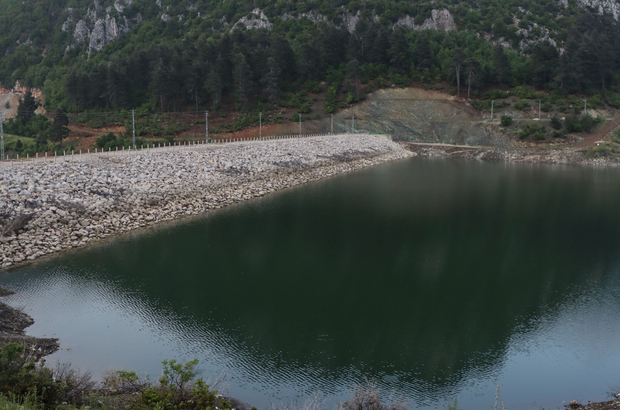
(206, 127)
(299, 125)
(332, 128)
(133, 127)
(260, 125)
(538, 109)
(585, 111)
(492, 102)
(1, 138)
(353, 124)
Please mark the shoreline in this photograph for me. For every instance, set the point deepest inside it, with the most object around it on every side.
(564, 156)
(13, 323)
(47, 208)
(233, 184)
(50, 207)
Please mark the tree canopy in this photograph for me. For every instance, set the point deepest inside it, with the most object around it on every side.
(177, 54)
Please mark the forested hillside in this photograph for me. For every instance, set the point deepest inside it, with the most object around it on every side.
(163, 55)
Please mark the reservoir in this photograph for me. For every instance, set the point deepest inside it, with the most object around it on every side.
(436, 279)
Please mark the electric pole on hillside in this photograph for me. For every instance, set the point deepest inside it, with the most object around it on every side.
(260, 125)
(353, 124)
(206, 127)
(299, 125)
(492, 102)
(585, 110)
(1, 138)
(539, 109)
(332, 127)
(133, 127)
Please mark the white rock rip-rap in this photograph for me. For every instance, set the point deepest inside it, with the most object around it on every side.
(74, 203)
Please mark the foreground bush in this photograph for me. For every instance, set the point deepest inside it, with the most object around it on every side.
(176, 389)
(26, 385)
(21, 377)
(29, 403)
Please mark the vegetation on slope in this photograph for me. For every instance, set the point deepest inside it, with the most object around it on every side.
(187, 53)
(194, 56)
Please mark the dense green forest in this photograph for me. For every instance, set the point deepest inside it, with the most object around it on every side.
(191, 54)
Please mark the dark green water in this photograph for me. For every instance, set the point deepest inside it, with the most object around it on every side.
(438, 279)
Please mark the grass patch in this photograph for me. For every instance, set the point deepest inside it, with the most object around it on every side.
(28, 404)
(602, 151)
(12, 139)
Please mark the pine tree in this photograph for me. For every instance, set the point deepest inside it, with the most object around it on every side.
(159, 79)
(59, 126)
(214, 87)
(502, 66)
(472, 66)
(399, 50)
(457, 63)
(270, 79)
(242, 78)
(27, 106)
(355, 71)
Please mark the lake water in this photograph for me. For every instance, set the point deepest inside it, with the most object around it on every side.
(436, 279)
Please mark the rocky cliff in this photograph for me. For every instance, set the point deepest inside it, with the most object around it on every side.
(99, 31)
(439, 20)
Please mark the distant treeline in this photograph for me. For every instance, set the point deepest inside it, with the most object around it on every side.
(196, 59)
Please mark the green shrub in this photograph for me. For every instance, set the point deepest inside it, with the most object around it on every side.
(402, 80)
(556, 123)
(177, 389)
(30, 402)
(20, 376)
(587, 122)
(524, 92)
(314, 87)
(601, 151)
(572, 124)
(535, 132)
(540, 134)
(522, 105)
(495, 94)
(305, 108)
(506, 120)
(109, 142)
(330, 99)
(558, 134)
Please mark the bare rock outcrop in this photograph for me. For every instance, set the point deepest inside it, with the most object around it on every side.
(313, 16)
(439, 20)
(105, 31)
(96, 31)
(601, 6)
(257, 19)
(120, 5)
(350, 20)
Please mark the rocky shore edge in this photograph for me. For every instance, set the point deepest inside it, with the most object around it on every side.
(567, 156)
(47, 208)
(13, 323)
